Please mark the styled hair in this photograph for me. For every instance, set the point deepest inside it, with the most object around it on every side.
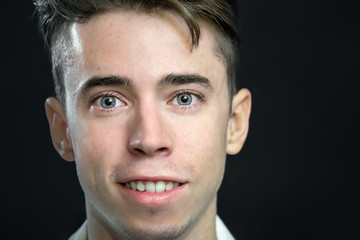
(55, 17)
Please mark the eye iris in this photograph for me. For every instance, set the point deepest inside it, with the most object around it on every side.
(184, 99)
(108, 102)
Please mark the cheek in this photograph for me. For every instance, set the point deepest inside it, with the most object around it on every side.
(205, 154)
(97, 146)
(204, 144)
(97, 138)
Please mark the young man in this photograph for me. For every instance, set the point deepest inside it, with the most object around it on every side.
(146, 107)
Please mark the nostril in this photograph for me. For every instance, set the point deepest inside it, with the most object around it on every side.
(139, 150)
(150, 151)
(163, 149)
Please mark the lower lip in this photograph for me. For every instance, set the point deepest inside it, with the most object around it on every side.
(153, 199)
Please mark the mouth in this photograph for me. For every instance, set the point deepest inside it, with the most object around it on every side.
(151, 186)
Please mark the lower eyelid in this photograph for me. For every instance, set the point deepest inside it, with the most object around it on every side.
(192, 107)
(103, 111)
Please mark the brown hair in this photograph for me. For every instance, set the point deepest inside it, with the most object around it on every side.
(55, 16)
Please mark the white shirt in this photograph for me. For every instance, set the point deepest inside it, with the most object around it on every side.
(222, 233)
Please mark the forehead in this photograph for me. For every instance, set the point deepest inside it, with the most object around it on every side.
(142, 46)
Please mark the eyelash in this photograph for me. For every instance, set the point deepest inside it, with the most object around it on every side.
(103, 94)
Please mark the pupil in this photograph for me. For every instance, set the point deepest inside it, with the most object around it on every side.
(184, 99)
(108, 101)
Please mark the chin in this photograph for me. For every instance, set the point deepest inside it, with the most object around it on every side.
(156, 232)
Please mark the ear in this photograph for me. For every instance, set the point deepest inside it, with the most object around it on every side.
(239, 121)
(59, 129)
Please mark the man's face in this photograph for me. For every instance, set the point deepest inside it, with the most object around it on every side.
(144, 109)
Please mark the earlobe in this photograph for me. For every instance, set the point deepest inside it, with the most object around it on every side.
(59, 128)
(239, 121)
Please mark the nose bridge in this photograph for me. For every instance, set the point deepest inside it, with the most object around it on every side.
(149, 119)
(148, 134)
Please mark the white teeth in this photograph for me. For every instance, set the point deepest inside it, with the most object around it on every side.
(140, 186)
(169, 186)
(160, 186)
(133, 185)
(151, 186)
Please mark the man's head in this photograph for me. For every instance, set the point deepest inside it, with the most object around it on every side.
(147, 109)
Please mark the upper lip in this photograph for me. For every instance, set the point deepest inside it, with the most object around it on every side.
(151, 178)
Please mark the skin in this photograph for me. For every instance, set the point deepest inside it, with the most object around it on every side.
(147, 133)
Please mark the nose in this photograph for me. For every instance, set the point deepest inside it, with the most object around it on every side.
(148, 134)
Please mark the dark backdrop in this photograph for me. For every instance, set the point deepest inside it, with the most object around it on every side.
(296, 177)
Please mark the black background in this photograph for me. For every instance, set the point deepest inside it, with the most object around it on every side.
(296, 177)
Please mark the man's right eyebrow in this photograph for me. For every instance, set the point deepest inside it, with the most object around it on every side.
(106, 81)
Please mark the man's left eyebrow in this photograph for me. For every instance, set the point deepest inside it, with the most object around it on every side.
(182, 79)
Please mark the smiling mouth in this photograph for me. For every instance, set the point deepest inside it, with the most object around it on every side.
(150, 186)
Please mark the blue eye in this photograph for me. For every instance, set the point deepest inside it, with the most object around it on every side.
(187, 100)
(108, 102)
(184, 99)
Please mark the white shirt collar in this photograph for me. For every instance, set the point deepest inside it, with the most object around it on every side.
(222, 233)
